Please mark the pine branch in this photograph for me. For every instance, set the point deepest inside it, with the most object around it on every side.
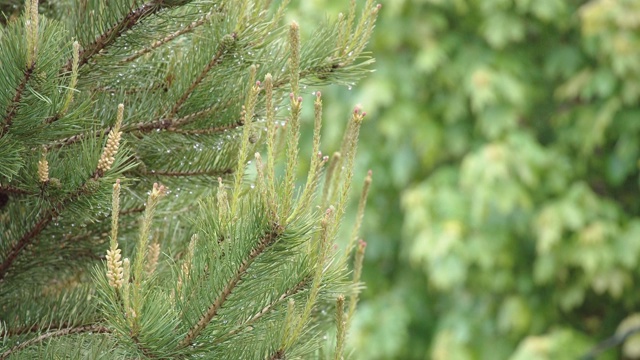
(278, 355)
(25, 240)
(96, 329)
(207, 131)
(163, 86)
(24, 330)
(12, 190)
(189, 28)
(223, 47)
(15, 102)
(109, 37)
(146, 352)
(214, 173)
(260, 248)
(265, 310)
(169, 124)
(31, 235)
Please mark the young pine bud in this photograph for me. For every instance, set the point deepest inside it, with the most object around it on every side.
(43, 169)
(113, 142)
(114, 268)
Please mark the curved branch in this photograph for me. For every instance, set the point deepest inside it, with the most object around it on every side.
(211, 130)
(98, 329)
(143, 127)
(8, 189)
(259, 249)
(214, 173)
(156, 44)
(25, 240)
(31, 235)
(15, 102)
(113, 33)
(287, 294)
(217, 59)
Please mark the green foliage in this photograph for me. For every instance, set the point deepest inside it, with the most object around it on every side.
(503, 141)
(224, 256)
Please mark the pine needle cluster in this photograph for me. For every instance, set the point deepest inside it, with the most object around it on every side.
(149, 204)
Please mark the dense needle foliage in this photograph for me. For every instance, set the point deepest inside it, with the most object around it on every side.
(149, 206)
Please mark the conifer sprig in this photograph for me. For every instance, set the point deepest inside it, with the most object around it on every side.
(109, 36)
(258, 276)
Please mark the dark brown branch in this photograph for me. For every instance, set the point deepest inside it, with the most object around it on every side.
(32, 234)
(217, 59)
(146, 352)
(211, 130)
(53, 118)
(8, 189)
(25, 240)
(287, 294)
(278, 355)
(262, 244)
(187, 29)
(98, 329)
(132, 211)
(214, 173)
(164, 86)
(22, 330)
(106, 39)
(15, 102)
(143, 127)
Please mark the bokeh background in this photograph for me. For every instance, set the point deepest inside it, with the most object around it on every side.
(504, 139)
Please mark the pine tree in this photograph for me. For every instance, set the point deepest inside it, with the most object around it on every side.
(149, 206)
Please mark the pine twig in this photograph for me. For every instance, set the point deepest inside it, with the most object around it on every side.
(262, 245)
(108, 37)
(278, 355)
(97, 329)
(168, 124)
(15, 102)
(214, 173)
(225, 43)
(156, 44)
(104, 164)
(8, 189)
(25, 240)
(265, 310)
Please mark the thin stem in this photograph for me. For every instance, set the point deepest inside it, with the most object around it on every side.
(109, 37)
(15, 102)
(278, 355)
(340, 324)
(259, 249)
(360, 214)
(31, 235)
(189, 28)
(98, 329)
(188, 173)
(223, 47)
(206, 131)
(8, 189)
(265, 310)
(25, 240)
(167, 124)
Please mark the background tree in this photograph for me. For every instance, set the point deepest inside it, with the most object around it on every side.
(225, 255)
(504, 139)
